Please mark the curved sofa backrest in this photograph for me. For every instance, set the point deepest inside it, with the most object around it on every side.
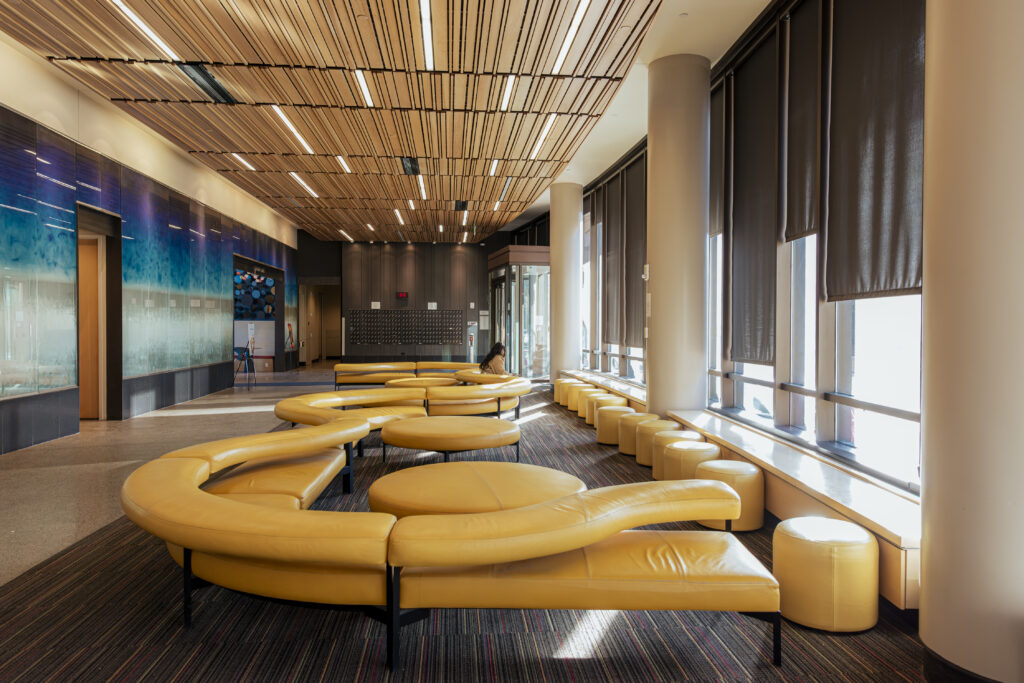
(477, 377)
(227, 452)
(444, 365)
(403, 366)
(555, 526)
(163, 497)
(320, 408)
(513, 387)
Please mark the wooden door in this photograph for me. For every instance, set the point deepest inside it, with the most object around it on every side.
(88, 330)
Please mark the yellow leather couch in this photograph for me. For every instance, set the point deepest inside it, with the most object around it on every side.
(379, 373)
(249, 531)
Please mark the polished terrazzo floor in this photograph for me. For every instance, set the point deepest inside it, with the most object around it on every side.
(59, 492)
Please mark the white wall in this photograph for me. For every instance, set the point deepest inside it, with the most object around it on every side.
(42, 92)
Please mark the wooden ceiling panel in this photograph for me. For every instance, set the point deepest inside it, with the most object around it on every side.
(302, 56)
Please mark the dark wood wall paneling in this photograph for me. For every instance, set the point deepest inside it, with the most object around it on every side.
(453, 276)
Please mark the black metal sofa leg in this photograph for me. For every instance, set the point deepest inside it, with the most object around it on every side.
(777, 639)
(394, 615)
(186, 587)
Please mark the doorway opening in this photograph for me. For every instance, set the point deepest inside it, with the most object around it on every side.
(99, 314)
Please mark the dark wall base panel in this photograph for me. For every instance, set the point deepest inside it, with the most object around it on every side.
(143, 394)
(28, 420)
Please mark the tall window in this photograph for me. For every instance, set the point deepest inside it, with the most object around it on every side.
(716, 291)
(586, 279)
(803, 335)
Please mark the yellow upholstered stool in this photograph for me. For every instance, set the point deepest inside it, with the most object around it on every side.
(645, 432)
(594, 403)
(627, 430)
(680, 459)
(580, 408)
(571, 395)
(585, 397)
(607, 423)
(560, 385)
(746, 480)
(828, 573)
(662, 439)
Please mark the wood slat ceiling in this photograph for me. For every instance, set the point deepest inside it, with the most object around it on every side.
(302, 55)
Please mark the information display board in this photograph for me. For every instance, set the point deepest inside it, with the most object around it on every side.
(386, 326)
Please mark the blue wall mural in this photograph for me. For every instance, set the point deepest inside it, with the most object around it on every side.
(176, 263)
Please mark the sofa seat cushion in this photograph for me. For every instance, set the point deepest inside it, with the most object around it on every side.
(378, 416)
(303, 478)
(683, 570)
(451, 434)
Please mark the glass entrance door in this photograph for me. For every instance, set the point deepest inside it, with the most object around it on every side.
(520, 304)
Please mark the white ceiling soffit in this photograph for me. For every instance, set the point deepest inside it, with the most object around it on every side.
(704, 27)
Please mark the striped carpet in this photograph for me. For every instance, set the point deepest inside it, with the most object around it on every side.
(108, 608)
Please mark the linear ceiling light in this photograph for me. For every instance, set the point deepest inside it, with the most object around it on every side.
(349, 238)
(504, 190)
(428, 39)
(465, 217)
(571, 35)
(496, 205)
(132, 17)
(207, 83)
(302, 140)
(508, 92)
(243, 161)
(440, 228)
(400, 221)
(302, 182)
(362, 86)
(341, 161)
(423, 189)
(494, 166)
(465, 236)
(543, 134)
(370, 227)
(412, 207)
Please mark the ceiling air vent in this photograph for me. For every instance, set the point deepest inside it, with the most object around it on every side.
(410, 165)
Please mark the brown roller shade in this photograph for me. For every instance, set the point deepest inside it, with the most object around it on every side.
(873, 238)
(716, 193)
(634, 190)
(803, 153)
(611, 281)
(755, 204)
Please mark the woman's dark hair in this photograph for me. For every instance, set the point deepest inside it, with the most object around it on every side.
(497, 349)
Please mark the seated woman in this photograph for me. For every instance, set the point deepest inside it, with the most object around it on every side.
(494, 362)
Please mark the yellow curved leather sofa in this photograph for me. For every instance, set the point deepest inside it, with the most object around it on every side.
(575, 552)
(371, 373)
(376, 406)
(442, 368)
(478, 399)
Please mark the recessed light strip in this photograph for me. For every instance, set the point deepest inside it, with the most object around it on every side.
(504, 190)
(496, 205)
(465, 236)
(423, 189)
(341, 161)
(440, 228)
(428, 38)
(494, 166)
(571, 35)
(543, 134)
(465, 217)
(302, 182)
(400, 221)
(147, 30)
(370, 227)
(243, 161)
(412, 207)
(508, 92)
(347, 236)
(284, 119)
(362, 86)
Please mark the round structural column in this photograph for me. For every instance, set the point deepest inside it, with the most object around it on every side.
(566, 228)
(972, 559)
(678, 133)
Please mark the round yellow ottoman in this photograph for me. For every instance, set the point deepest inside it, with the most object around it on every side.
(560, 385)
(583, 396)
(662, 439)
(627, 430)
(645, 432)
(680, 459)
(828, 573)
(746, 480)
(594, 403)
(571, 395)
(607, 423)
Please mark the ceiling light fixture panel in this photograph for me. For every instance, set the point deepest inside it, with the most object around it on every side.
(341, 160)
(428, 37)
(574, 27)
(509, 83)
(363, 87)
(347, 236)
(494, 166)
(291, 127)
(242, 161)
(543, 135)
(423, 188)
(141, 25)
(400, 221)
(302, 182)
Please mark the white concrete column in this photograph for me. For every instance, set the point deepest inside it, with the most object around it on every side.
(972, 560)
(566, 230)
(678, 134)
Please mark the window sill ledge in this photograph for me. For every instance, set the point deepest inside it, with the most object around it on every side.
(628, 390)
(889, 513)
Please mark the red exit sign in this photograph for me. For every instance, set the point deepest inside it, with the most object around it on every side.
(403, 295)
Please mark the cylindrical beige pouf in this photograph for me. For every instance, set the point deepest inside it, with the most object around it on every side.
(570, 392)
(627, 430)
(581, 399)
(607, 423)
(662, 439)
(680, 459)
(645, 432)
(828, 573)
(594, 403)
(559, 388)
(746, 480)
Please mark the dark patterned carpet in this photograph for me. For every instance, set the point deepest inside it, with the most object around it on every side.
(108, 608)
